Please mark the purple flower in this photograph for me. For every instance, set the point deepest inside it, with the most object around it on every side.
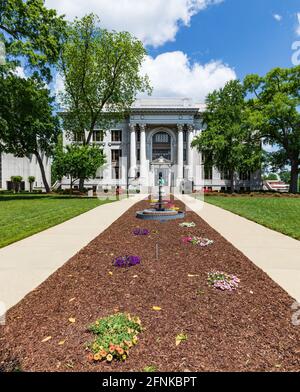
(139, 231)
(126, 261)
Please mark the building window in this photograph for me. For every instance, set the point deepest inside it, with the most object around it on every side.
(78, 137)
(184, 136)
(184, 154)
(116, 135)
(115, 155)
(245, 176)
(207, 172)
(138, 154)
(161, 146)
(98, 136)
(116, 172)
(225, 175)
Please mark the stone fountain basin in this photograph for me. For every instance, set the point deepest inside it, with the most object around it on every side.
(152, 214)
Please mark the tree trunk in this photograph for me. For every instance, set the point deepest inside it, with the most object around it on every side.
(232, 181)
(81, 184)
(71, 185)
(41, 165)
(30, 187)
(294, 176)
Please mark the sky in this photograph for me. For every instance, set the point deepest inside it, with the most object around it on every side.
(196, 46)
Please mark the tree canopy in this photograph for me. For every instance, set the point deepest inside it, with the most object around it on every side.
(31, 31)
(28, 124)
(78, 161)
(101, 73)
(227, 142)
(274, 111)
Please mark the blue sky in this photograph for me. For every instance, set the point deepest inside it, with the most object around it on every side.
(243, 34)
(196, 46)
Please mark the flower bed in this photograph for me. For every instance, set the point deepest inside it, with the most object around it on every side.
(194, 240)
(115, 336)
(126, 261)
(223, 281)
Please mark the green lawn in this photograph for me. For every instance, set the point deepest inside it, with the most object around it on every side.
(280, 214)
(24, 215)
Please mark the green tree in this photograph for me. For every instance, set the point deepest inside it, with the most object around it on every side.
(78, 161)
(16, 181)
(31, 180)
(101, 73)
(227, 142)
(274, 106)
(31, 32)
(29, 126)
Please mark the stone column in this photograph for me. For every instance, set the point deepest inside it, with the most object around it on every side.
(132, 172)
(190, 151)
(180, 153)
(143, 159)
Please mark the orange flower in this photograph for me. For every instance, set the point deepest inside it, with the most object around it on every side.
(111, 349)
(90, 357)
(120, 351)
(103, 353)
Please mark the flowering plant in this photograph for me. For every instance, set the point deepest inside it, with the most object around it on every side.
(223, 281)
(187, 224)
(115, 336)
(139, 231)
(197, 241)
(126, 261)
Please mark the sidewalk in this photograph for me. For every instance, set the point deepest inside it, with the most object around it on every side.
(27, 263)
(276, 254)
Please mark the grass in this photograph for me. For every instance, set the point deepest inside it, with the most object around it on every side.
(24, 215)
(281, 214)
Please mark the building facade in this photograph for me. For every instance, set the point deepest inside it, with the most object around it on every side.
(24, 167)
(156, 138)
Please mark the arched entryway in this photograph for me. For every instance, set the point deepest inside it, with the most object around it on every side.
(161, 146)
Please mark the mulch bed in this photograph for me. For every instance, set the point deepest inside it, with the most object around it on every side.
(249, 329)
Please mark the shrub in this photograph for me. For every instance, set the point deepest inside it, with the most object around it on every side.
(115, 336)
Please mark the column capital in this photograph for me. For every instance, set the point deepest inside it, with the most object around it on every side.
(132, 127)
(190, 128)
(180, 127)
(142, 127)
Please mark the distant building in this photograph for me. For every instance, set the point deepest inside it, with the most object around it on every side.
(24, 167)
(156, 137)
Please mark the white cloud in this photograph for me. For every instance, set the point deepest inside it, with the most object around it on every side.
(277, 17)
(20, 72)
(153, 21)
(173, 75)
(298, 27)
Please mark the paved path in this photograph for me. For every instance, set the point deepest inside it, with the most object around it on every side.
(27, 263)
(275, 253)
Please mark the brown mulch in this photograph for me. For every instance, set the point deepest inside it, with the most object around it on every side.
(246, 330)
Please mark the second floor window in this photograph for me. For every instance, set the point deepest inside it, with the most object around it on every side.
(98, 136)
(207, 172)
(116, 135)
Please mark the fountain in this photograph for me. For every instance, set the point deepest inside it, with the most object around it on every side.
(160, 212)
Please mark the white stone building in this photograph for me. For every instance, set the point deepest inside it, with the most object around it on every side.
(156, 137)
(24, 167)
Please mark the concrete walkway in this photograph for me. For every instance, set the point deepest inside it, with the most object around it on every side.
(27, 263)
(275, 253)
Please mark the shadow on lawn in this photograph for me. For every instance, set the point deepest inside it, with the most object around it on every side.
(41, 197)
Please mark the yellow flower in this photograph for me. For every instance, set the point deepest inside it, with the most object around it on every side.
(129, 344)
(134, 341)
(97, 357)
(109, 357)
(124, 357)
